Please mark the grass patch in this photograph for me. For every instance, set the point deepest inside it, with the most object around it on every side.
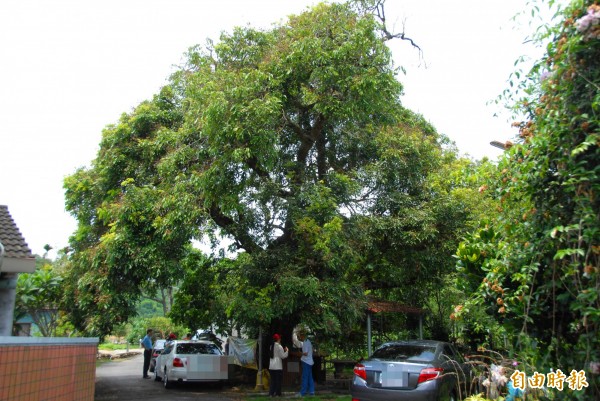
(113, 346)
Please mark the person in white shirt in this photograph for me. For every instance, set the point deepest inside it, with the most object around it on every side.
(300, 341)
(277, 354)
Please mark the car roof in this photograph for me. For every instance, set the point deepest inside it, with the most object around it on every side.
(419, 343)
(193, 342)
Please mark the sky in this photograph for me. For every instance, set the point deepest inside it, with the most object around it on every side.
(68, 68)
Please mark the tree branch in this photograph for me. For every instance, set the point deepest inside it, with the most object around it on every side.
(377, 9)
(231, 226)
(252, 163)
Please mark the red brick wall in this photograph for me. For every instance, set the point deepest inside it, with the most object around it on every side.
(48, 369)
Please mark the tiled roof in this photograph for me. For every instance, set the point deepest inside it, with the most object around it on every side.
(11, 238)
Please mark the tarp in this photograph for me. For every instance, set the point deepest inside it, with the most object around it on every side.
(243, 352)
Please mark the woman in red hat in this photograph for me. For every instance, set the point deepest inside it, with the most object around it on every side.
(278, 354)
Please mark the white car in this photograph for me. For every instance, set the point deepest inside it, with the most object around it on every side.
(190, 361)
(159, 346)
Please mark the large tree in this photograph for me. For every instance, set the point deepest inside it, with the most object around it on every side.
(291, 145)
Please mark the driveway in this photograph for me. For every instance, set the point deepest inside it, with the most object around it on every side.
(121, 380)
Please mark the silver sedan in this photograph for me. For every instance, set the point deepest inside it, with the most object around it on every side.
(419, 370)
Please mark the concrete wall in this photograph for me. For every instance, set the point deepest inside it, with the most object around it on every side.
(48, 369)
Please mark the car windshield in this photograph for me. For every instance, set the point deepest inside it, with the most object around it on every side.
(196, 348)
(405, 352)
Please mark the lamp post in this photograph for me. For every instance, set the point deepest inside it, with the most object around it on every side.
(498, 144)
(501, 145)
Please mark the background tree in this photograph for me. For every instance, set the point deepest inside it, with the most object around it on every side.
(162, 326)
(38, 296)
(201, 301)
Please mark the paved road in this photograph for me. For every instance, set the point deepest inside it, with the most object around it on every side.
(121, 380)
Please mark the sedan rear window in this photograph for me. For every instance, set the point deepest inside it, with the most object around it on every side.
(405, 352)
(192, 349)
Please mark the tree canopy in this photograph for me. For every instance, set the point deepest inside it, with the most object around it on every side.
(292, 146)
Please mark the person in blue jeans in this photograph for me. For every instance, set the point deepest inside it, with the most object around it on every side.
(301, 341)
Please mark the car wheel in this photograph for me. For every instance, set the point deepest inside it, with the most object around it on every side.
(166, 381)
(156, 376)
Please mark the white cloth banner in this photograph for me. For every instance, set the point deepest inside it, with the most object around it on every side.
(243, 351)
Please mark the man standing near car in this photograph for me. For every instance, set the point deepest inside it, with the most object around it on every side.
(147, 344)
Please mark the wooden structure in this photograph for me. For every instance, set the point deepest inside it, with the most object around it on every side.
(377, 306)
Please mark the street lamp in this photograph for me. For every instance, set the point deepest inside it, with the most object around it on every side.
(499, 145)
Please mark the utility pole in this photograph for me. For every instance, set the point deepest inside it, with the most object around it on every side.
(259, 378)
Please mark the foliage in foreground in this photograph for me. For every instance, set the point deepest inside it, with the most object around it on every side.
(535, 266)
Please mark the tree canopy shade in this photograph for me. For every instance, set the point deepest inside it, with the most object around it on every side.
(292, 145)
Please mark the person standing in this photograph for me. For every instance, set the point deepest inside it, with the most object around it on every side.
(301, 341)
(277, 354)
(147, 345)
